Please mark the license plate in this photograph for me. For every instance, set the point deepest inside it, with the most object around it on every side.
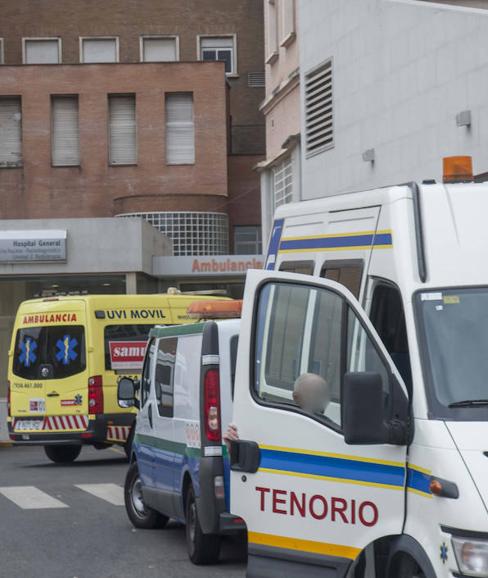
(28, 425)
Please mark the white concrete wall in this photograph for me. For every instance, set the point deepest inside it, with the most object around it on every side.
(402, 71)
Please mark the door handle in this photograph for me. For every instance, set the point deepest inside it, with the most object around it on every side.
(53, 394)
(149, 415)
(245, 456)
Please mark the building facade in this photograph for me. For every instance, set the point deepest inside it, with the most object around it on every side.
(280, 171)
(118, 112)
(104, 70)
(388, 88)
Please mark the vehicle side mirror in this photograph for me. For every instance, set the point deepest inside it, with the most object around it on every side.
(126, 392)
(366, 421)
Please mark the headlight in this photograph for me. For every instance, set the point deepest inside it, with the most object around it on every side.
(471, 556)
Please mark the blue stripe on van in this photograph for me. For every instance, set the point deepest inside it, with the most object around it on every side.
(349, 470)
(337, 242)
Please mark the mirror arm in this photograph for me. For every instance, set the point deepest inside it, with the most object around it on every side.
(399, 432)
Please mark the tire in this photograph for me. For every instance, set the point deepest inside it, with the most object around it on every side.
(406, 567)
(202, 548)
(141, 516)
(62, 454)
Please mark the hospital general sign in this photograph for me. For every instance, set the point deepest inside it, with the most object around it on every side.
(32, 246)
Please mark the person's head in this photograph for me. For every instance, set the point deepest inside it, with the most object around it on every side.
(311, 393)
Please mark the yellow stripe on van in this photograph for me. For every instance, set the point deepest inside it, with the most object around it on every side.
(333, 235)
(300, 545)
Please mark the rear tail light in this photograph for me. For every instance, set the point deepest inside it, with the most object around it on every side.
(95, 394)
(211, 385)
(9, 398)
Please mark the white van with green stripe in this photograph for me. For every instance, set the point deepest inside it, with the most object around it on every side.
(361, 397)
(179, 466)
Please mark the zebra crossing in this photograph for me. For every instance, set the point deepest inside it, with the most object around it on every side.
(33, 498)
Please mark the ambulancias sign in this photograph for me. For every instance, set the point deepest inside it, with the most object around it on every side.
(28, 246)
(221, 265)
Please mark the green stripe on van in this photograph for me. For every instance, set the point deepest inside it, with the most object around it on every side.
(177, 330)
(168, 446)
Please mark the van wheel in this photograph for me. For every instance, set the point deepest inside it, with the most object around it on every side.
(406, 567)
(202, 548)
(62, 454)
(140, 515)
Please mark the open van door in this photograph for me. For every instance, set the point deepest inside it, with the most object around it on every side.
(319, 471)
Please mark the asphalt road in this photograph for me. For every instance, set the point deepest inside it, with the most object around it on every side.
(82, 530)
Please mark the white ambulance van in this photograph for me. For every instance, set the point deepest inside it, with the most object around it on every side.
(361, 395)
(180, 467)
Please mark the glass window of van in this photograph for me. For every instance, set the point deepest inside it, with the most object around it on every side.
(303, 267)
(307, 338)
(55, 352)
(348, 273)
(164, 376)
(146, 373)
(115, 333)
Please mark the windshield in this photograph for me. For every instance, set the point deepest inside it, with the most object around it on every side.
(455, 329)
(49, 352)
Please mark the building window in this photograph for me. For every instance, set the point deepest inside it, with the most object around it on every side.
(99, 50)
(42, 50)
(219, 48)
(287, 22)
(122, 129)
(319, 112)
(247, 240)
(180, 129)
(10, 132)
(282, 175)
(271, 32)
(2, 54)
(65, 131)
(159, 48)
(192, 233)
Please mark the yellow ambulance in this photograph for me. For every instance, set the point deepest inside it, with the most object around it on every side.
(66, 357)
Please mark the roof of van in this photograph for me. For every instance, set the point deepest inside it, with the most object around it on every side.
(122, 299)
(190, 328)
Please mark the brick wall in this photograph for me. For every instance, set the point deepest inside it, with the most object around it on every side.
(38, 190)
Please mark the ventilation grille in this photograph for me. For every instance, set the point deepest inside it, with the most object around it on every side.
(319, 114)
(256, 79)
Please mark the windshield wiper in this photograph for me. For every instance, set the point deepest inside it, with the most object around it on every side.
(469, 403)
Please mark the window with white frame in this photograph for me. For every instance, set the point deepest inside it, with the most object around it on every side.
(220, 48)
(319, 111)
(10, 132)
(2, 54)
(247, 240)
(180, 129)
(287, 22)
(65, 142)
(122, 129)
(271, 31)
(282, 182)
(159, 48)
(93, 50)
(42, 50)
